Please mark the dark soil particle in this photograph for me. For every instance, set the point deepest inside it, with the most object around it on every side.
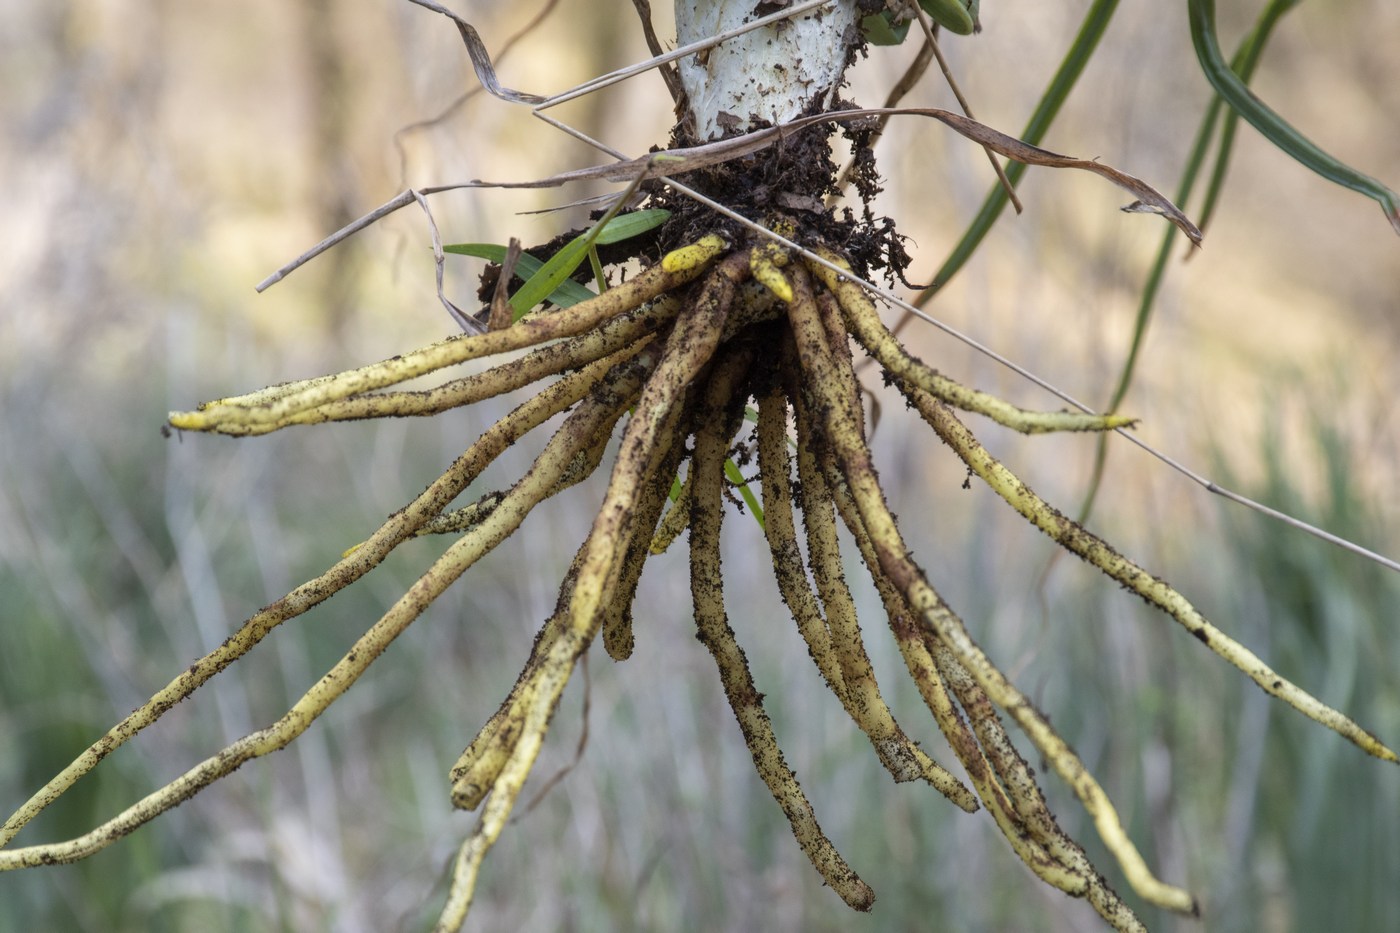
(788, 181)
(785, 183)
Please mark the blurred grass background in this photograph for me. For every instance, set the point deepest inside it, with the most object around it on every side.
(158, 159)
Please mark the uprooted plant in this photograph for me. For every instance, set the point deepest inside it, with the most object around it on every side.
(750, 295)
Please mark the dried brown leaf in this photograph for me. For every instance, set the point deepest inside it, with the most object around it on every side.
(681, 160)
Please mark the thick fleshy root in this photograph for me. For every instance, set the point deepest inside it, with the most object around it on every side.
(677, 353)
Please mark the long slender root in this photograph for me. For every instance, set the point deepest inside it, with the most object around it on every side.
(614, 333)
(274, 407)
(854, 459)
(781, 533)
(919, 650)
(644, 444)
(1157, 592)
(645, 447)
(683, 345)
(901, 757)
(1018, 809)
(691, 343)
(715, 633)
(617, 620)
(865, 324)
(532, 488)
(399, 527)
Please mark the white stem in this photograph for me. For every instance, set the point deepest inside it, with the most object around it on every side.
(773, 73)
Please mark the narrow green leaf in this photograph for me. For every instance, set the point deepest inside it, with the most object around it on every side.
(494, 252)
(597, 265)
(567, 293)
(952, 15)
(1090, 32)
(1245, 61)
(1276, 129)
(562, 264)
(731, 470)
(630, 225)
(550, 276)
(551, 281)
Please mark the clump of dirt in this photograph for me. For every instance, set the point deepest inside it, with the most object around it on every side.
(788, 181)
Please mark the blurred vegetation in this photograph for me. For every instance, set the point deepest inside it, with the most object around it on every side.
(158, 161)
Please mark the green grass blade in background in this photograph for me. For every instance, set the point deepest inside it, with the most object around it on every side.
(1318, 611)
(1244, 63)
(732, 471)
(1092, 30)
(1277, 130)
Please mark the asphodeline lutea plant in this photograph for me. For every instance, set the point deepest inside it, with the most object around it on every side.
(749, 299)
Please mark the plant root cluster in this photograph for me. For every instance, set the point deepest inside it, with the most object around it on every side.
(674, 356)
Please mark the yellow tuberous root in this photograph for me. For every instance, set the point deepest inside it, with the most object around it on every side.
(668, 361)
(695, 256)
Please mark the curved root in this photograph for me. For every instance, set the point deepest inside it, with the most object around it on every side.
(683, 346)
